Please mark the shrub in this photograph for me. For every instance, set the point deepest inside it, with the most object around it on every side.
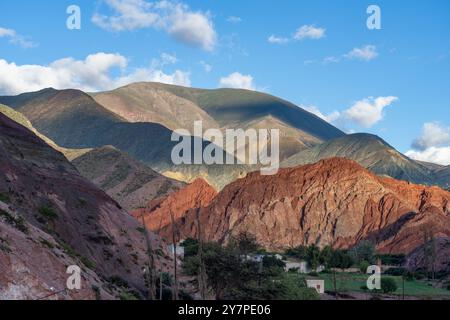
(16, 222)
(4, 197)
(128, 296)
(363, 266)
(388, 285)
(46, 243)
(48, 213)
(88, 263)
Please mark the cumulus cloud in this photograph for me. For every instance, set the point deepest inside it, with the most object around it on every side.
(369, 111)
(304, 32)
(332, 117)
(437, 155)
(194, 28)
(16, 38)
(365, 53)
(237, 80)
(433, 145)
(433, 135)
(365, 113)
(206, 66)
(277, 40)
(94, 73)
(234, 19)
(309, 32)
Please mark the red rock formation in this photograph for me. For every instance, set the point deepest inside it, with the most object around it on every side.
(158, 214)
(334, 201)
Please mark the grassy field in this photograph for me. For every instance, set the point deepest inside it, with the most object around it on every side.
(354, 282)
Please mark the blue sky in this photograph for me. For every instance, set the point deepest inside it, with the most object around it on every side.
(336, 66)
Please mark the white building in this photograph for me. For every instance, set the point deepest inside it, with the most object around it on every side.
(301, 267)
(179, 251)
(319, 285)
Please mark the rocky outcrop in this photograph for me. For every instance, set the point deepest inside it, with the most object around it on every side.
(51, 217)
(333, 202)
(158, 215)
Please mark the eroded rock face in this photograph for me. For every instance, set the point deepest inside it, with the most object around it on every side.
(51, 217)
(158, 215)
(333, 202)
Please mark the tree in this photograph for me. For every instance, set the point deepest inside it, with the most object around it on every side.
(341, 260)
(326, 256)
(244, 243)
(388, 285)
(363, 251)
(313, 257)
(429, 250)
(299, 252)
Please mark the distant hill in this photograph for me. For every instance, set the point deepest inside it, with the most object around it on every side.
(178, 107)
(374, 154)
(126, 180)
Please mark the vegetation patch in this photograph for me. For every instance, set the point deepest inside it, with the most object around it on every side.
(46, 243)
(48, 213)
(4, 197)
(71, 253)
(4, 245)
(17, 222)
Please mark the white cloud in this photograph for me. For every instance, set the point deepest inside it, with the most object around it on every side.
(207, 67)
(6, 32)
(369, 111)
(237, 80)
(331, 59)
(332, 117)
(439, 155)
(167, 58)
(365, 53)
(365, 113)
(194, 28)
(16, 38)
(234, 19)
(277, 40)
(433, 145)
(91, 74)
(433, 135)
(309, 32)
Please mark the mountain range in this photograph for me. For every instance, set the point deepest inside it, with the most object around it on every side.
(138, 119)
(333, 188)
